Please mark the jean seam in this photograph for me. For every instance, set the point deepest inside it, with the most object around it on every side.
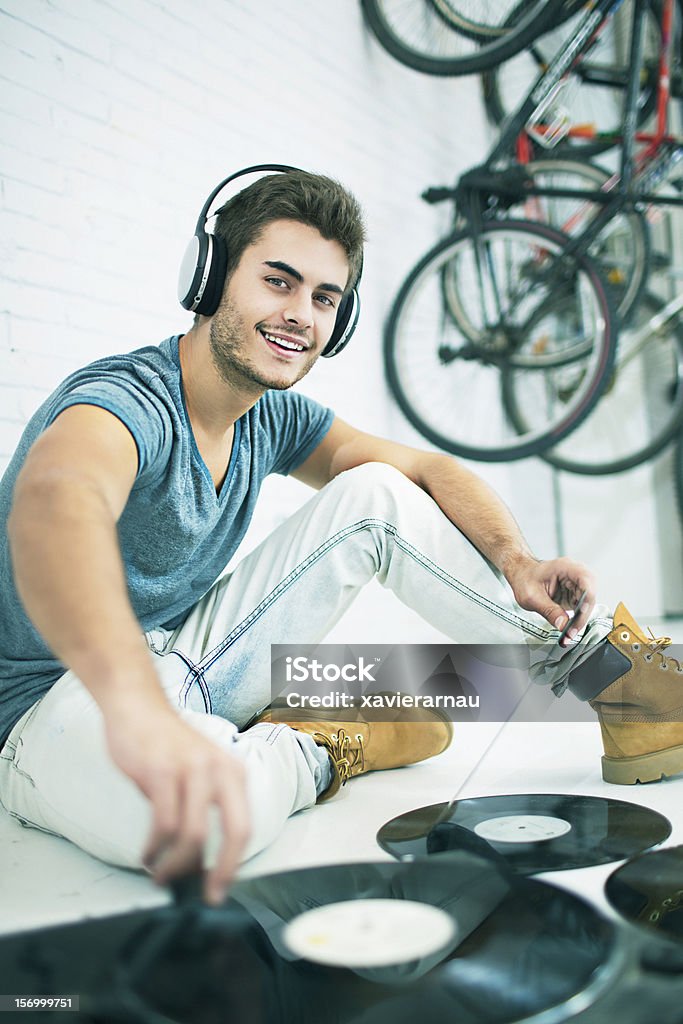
(25, 821)
(195, 676)
(24, 775)
(275, 731)
(332, 542)
(483, 602)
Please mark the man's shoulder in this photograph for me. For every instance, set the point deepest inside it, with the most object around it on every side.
(140, 387)
(146, 375)
(146, 362)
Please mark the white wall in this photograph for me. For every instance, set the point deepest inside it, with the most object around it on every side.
(117, 119)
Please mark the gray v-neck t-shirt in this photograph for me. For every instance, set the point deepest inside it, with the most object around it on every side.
(176, 534)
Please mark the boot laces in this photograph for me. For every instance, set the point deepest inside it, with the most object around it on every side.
(349, 760)
(656, 646)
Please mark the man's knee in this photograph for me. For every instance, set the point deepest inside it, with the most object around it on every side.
(374, 485)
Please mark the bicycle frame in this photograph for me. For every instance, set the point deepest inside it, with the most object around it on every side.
(484, 187)
(636, 170)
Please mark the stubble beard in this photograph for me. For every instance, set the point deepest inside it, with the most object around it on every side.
(228, 338)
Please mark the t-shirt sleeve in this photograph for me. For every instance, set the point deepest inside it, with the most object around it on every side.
(138, 408)
(295, 426)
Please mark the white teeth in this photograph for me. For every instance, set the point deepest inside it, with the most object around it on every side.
(283, 342)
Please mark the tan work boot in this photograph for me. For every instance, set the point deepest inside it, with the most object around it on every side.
(637, 692)
(357, 747)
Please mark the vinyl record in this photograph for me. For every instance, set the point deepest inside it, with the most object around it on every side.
(648, 891)
(466, 940)
(531, 832)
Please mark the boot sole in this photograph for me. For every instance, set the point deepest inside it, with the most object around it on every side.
(626, 771)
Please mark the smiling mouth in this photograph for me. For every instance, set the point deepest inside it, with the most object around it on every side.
(283, 344)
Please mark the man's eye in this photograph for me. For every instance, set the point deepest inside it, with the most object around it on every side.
(326, 300)
(279, 281)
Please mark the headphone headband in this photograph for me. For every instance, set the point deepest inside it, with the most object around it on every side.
(254, 169)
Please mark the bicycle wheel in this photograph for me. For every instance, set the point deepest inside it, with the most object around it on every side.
(641, 408)
(432, 35)
(600, 106)
(622, 249)
(478, 19)
(517, 290)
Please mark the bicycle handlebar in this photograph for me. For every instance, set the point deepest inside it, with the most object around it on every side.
(438, 194)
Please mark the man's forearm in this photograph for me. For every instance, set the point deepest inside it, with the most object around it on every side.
(476, 510)
(70, 578)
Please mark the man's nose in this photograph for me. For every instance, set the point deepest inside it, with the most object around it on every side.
(299, 310)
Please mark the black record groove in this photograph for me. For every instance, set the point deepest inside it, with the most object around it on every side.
(521, 948)
(531, 832)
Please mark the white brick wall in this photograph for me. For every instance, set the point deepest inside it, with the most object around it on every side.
(116, 120)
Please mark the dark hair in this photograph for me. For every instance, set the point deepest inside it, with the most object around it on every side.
(311, 199)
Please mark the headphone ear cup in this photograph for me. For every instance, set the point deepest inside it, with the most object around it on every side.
(345, 324)
(192, 270)
(215, 279)
(202, 274)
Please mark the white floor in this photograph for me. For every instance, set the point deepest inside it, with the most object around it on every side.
(45, 880)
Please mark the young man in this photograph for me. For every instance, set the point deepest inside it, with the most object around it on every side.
(126, 670)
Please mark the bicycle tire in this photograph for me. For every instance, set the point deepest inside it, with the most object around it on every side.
(519, 75)
(476, 28)
(431, 406)
(462, 55)
(641, 408)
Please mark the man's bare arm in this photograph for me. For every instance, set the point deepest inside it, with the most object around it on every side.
(70, 576)
(62, 532)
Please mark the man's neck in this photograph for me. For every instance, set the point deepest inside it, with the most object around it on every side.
(213, 404)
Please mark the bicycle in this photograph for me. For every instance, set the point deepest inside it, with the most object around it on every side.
(622, 248)
(595, 83)
(564, 374)
(529, 311)
(641, 408)
(624, 192)
(459, 37)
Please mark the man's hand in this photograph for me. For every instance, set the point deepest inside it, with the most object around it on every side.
(552, 588)
(184, 775)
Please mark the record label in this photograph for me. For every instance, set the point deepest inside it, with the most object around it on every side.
(369, 932)
(522, 828)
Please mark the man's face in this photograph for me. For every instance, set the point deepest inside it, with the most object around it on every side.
(279, 308)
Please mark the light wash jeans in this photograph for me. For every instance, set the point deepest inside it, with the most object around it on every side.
(55, 771)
